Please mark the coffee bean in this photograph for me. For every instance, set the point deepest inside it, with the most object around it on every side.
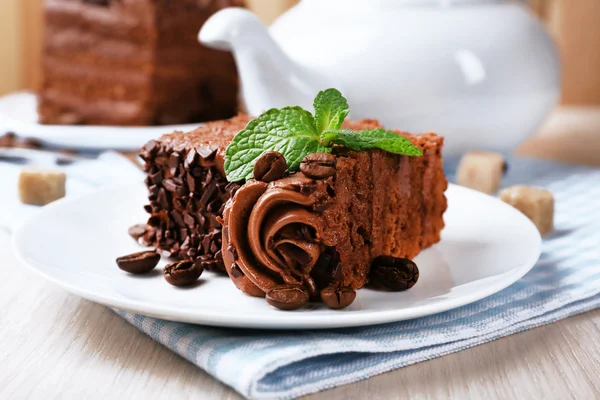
(182, 273)
(318, 165)
(139, 263)
(269, 167)
(393, 273)
(338, 297)
(137, 231)
(287, 297)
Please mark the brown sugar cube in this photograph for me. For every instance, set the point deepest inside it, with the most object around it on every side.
(39, 187)
(481, 171)
(536, 203)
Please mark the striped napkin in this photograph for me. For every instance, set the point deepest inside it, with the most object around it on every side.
(283, 365)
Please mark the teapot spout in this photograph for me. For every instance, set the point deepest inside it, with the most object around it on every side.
(269, 78)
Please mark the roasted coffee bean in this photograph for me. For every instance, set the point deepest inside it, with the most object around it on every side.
(139, 263)
(338, 297)
(288, 296)
(318, 165)
(393, 273)
(182, 273)
(137, 231)
(270, 167)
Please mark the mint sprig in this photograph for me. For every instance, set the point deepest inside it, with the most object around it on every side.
(295, 133)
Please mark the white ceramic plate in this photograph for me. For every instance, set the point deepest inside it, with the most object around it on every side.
(18, 113)
(486, 246)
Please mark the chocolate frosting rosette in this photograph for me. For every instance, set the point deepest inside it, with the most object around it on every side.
(273, 236)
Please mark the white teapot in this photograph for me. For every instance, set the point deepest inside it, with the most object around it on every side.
(483, 73)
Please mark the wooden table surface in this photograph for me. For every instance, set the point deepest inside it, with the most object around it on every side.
(54, 345)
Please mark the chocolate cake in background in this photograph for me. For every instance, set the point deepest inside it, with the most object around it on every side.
(133, 62)
(377, 203)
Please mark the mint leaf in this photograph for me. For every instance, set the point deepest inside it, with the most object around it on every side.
(290, 131)
(370, 138)
(331, 108)
(295, 133)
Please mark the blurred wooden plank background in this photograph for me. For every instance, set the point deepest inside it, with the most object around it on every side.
(11, 64)
(575, 24)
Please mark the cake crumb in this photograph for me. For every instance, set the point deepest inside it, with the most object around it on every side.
(481, 171)
(40, 186)
(536, 203)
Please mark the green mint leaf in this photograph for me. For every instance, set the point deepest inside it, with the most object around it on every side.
(369, 139)
(290, 131)
(331, 108)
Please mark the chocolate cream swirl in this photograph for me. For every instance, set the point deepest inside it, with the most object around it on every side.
(272, 234)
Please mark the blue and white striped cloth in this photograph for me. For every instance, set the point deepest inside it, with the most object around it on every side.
(283, 365)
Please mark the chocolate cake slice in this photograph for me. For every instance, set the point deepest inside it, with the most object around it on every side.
(134, 62)
(376, 203)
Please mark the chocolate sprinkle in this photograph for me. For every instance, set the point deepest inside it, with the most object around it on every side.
(187, 195)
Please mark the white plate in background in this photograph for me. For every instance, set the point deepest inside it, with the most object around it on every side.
(486, 246)
(18, 113)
